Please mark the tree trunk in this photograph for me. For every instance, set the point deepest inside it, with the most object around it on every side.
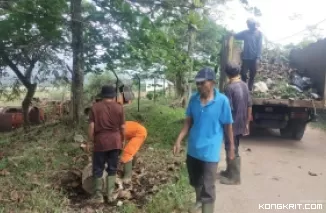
(78, 72)
(191, 42)
(179, 84)
(26, 104)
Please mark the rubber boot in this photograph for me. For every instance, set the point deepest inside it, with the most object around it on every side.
(196, 208)
(226, 172)
(208, 208)
(234, 178)
(110, 181)
(134, 161)
(127, 172)
(97, 197)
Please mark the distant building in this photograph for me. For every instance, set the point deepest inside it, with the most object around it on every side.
(160, 84)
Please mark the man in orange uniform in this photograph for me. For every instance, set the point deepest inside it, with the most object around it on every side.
(135, 134)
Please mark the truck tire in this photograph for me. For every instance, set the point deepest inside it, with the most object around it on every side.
(286, 132)
(298, 130)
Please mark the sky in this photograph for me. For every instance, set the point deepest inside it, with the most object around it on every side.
(275, 22)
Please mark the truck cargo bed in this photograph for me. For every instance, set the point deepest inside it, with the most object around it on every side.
(289, 103)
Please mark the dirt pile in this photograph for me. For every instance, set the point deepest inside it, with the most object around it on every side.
(150, 173)
(278, 81)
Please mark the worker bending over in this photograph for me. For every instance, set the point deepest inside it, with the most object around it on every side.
(135, 134)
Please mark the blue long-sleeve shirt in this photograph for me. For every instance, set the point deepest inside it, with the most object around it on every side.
(253, 42)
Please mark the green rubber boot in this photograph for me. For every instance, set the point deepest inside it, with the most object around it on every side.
(196, 208)
(226, 172)
(234, 177)
(110, 181)
(208, 208)
(97, 197)
(127, 172)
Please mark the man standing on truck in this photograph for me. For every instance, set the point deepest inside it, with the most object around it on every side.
(106, 130)
(240, 101)
(208, 115)
(251, 55)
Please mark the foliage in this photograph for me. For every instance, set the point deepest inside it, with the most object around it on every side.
(95, 83)
(157, 94)
(34, 172)
(30, 37)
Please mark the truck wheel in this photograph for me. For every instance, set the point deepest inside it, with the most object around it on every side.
(286, 132)
(298, 130)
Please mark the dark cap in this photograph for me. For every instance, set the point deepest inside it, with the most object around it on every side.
(108, 91)
(232, 69)
(205, 74)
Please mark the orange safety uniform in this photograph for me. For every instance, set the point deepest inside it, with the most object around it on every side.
(135, 134)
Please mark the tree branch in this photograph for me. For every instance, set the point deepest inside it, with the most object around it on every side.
(28, 72)
(14, 68)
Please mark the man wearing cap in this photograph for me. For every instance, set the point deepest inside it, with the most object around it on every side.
(240, 100)
(106, 130)
(251, 55)
(208, 115)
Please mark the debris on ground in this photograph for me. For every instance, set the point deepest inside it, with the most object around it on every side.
(147, 179)
(312, 174)
(281, 82)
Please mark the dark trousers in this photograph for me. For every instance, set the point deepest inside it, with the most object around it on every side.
(236, 144)
(250, 65)
(202, 175)
(100, 158)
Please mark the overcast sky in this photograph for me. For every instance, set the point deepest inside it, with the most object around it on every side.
(276, 23)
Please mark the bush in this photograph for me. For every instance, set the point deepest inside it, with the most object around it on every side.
(150, 95)
(158, 94)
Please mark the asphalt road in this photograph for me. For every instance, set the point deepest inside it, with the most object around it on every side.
(277, 171)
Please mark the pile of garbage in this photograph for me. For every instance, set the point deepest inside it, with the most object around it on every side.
(278, 81)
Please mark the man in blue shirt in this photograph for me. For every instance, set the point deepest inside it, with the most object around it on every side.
(251, 55)
(207, 117)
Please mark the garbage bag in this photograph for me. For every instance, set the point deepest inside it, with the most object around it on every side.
(302, 83)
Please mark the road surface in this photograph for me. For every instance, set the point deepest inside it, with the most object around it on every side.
(276, 171)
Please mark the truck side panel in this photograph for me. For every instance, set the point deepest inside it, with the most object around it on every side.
(311, 59)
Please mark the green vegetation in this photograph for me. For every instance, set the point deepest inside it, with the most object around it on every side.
(34, 165)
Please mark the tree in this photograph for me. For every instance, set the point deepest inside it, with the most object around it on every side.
(30, 37)
(78, 61)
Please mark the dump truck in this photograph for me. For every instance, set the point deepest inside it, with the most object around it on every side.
(290, 116)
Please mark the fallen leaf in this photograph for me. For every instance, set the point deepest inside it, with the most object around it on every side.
(125, 195)
(120, 203)
(75, 184)
(312, 173)
(79, 138)
(4, 173)
(155, 188)
(14, 195)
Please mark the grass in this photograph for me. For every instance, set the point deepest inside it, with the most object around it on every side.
(57, 94)
(33, 164)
